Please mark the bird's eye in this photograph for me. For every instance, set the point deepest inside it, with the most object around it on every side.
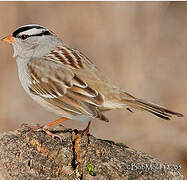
(24, 36)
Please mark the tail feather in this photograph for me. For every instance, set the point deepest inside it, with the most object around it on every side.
(152, 108)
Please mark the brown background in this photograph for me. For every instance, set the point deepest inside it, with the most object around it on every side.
(141, 46)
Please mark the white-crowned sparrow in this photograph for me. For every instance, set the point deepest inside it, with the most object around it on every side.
(65, 81)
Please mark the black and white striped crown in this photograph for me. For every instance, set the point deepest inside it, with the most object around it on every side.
(31, 30)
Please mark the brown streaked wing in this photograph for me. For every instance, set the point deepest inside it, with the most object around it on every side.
(60, 86)
(69, 57)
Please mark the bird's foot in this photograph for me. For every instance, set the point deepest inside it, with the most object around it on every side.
(45, 129)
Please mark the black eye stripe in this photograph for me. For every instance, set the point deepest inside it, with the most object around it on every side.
(25, 28)
(23, 36)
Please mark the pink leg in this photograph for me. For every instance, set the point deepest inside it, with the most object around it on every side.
(46, 127)
(86, 130)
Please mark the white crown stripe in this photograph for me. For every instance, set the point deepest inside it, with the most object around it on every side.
(32, 31)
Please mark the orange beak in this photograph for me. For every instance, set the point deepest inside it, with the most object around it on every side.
(9, 39)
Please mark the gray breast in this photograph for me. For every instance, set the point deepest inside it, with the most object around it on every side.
(23, 73)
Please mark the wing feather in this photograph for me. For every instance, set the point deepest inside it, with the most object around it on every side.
(59, 86)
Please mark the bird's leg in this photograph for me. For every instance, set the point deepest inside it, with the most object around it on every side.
(46, 127)
(51, 124)
(86, 130)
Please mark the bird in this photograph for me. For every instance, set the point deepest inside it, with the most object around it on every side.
(68, 83)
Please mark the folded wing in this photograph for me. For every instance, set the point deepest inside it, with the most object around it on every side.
(59, 86)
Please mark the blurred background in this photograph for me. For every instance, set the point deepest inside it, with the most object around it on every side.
(141, 46)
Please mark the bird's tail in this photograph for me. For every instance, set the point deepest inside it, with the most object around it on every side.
(157, 110)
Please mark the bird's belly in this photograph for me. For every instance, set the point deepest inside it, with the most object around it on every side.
(60, 111)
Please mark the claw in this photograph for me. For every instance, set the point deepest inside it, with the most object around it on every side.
(57, 136)
(46, 130)
(39, 129)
